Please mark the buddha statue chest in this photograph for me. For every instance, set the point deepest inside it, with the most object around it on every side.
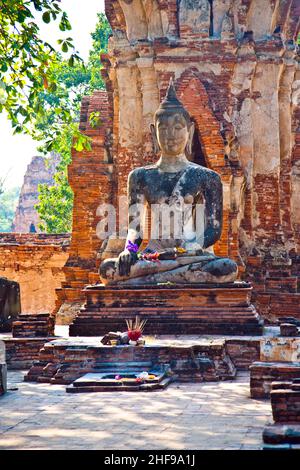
(157, 187)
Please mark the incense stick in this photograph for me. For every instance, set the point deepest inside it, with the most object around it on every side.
(136, 325)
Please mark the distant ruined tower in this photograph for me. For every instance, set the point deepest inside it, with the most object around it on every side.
(235, 65)
(26, 218)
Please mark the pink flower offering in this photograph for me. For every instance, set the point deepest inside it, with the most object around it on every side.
(135, 328)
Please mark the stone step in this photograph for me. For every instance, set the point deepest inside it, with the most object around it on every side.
(61, 362)
(276, 434)
(169, 326)
(262, 374)
(33, 325)
(122, 387)
(285, 404)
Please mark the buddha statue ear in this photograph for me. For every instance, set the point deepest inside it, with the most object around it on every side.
(156, 147)
(189, 144)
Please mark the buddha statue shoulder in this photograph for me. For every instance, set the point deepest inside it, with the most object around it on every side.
(186, 205)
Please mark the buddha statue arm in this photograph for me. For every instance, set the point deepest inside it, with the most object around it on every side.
(136, 203)
(213, 195)
(128, 257)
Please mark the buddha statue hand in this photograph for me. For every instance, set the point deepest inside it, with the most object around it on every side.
(126, 259)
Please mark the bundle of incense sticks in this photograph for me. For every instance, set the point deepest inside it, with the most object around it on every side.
(137, 324)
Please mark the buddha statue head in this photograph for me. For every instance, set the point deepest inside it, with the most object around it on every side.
(173, 129)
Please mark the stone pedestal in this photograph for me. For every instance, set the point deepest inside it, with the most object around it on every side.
(284, 433)
(280, 436)
(22, 352)
(262, 374)
(187, 309)
(279, 361)
(63, 361)
(285, 402)
(39, 325)
(3, 380)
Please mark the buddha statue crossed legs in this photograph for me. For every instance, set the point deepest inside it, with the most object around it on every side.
(185, 197)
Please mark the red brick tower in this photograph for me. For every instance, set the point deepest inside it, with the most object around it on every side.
(236, 69)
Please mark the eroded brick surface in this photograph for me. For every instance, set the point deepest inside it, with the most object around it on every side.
(36, 262)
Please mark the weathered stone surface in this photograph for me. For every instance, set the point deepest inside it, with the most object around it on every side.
(194, 17)
(105, 381)
(67, 312)
(285, 403)
(280, 349)
(63, 361)
(21, 352)
(243, 352)
(288, 329)
(262, 374)
(33, 326)
(36, 262)
(10, 305)
(3, 369)
(192, 309)
(282, 434)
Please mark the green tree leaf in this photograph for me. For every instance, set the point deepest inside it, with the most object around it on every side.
(50, 114)
(46, 17)
(64, 47)
(8, 202)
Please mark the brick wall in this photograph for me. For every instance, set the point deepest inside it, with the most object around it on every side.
(36, 262)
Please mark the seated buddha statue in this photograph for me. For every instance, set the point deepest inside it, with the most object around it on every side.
(185, 255)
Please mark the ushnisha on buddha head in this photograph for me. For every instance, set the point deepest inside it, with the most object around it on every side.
(173, 128)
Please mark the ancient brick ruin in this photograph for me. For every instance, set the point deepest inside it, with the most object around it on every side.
(36, 262)
(39, 171)
(236, 69)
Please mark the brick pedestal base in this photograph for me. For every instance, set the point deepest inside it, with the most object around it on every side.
(285, 401)
(188, 309)
(262, 374)
(21, 352)
(282, 436)
(63, 361)
(38, 325)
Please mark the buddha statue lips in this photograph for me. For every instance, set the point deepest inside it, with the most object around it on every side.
(183, 197)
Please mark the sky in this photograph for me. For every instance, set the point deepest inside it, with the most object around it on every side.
(16, 151)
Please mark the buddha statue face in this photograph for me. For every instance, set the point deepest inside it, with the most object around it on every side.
(173, 130)
(172, 133)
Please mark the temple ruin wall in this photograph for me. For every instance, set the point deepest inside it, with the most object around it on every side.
(36, 262)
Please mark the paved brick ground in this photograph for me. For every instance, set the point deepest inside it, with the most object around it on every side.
(185, 416)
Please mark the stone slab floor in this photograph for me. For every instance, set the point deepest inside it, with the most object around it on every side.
(185, 416)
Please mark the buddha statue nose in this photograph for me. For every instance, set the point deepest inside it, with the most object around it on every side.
(171, 132)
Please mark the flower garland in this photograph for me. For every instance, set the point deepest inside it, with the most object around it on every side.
(156, 256)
